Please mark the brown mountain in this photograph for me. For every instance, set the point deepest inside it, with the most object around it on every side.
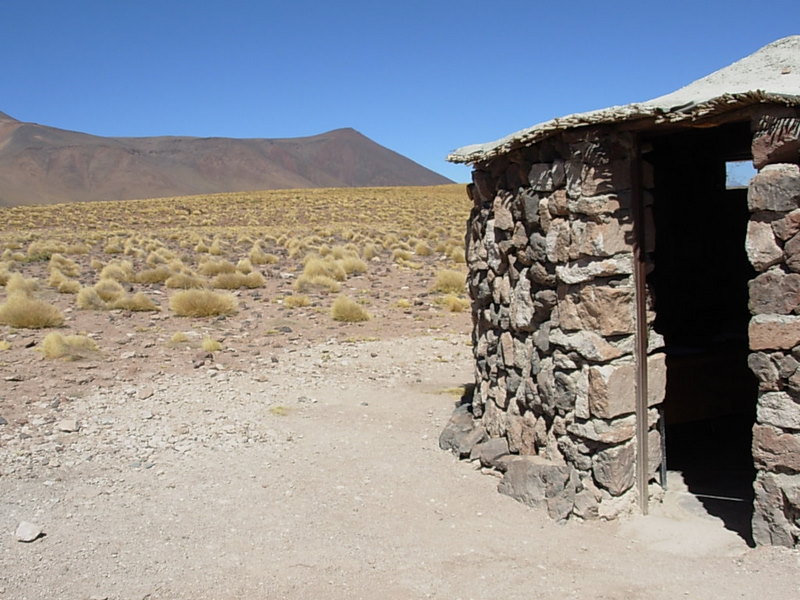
(45, 165)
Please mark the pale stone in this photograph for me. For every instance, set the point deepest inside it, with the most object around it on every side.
(612, 388)
(774, 292)
(778, 409)
(586, 343)
(775, 188)
(603, 309)
(557, 241)
(602, 179)
(27, 532)
(584, 270)
(770, 523)
(786, 227)
(503, 218)
(558, 203)
(521, 307)
(791, 251)
(537, 482)
(606, 204)
(774, 332)
(600, 239)
(776, 450)
(606, 432)
(613, 468)
(582, 394)
(762, 249)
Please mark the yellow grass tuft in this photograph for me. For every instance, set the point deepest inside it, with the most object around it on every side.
(89, 299)
(109, 290)
(450, 282)
(210, 268)
(157, 274)
(17, 283)
(4, 345)
(136, 303)
(453, 303)
(202, 303)
(209, 344)
(179, 338)
(23, 311)
(353, 264)
(296, 301)
(68, 347)
(234, 281)
(185, 281)
(316, 283)
(347, 310)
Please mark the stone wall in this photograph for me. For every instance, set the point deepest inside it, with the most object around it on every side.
(550, 256)
(773, 246)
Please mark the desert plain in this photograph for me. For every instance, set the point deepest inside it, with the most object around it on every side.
(240, 396)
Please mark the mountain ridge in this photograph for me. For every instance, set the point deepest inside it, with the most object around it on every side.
(46, 165)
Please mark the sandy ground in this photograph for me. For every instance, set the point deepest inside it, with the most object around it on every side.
(316, 473)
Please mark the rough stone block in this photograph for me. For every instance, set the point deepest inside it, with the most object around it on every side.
(791, 251)
(521, 308)
(603, 309)
(530, 208)
(537, 482)
(778, 409)
(603, 179)
(584, 270)
(503, 219)
(765, 370)
(612, 388)
(594, 206)
(588, 344)
(776, 450)
(776, 140)
(600, 239)
(774, 292)
(547, 177)
(777, 502)
(774, 332)
(521, 434)
(490, 452)
(484, 185)
(461, 433)
(557, 390)
(787, 226)
(775, 188)
(614, 468)
(614, 431)
(762, 249)
(557, 241)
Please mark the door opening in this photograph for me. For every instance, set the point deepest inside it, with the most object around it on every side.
(699, 287)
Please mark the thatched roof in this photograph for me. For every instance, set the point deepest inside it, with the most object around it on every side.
(772, 74)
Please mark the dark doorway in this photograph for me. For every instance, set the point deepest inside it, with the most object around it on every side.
(699, 287)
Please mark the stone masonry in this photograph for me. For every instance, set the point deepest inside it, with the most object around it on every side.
(550, 256)
(773, 247)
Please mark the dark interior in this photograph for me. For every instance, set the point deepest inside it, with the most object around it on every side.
(699, 287)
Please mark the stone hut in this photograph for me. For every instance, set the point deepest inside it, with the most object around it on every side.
(636, 308)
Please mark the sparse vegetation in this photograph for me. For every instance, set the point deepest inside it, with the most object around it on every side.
(347, 310)
(450, 282)
(26, 312)
(68, 347)
(202, 303)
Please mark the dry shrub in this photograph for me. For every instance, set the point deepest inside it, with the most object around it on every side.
(201, 247)
(68, 347)
(215, 248)
(453, 303)
(353, 264)
(5, 273)
(179, 338)
(403, 303)
(66, 265)
(258, 257)
(234, 281)
(202, 303)
(155, 275)
(315, 266)
(42, 250)
(399, 255)
(63, 284)
(369, 252)
(155, 258)
(109, 290)
(113, 247)
(96, 264)
(210, 268)
(118, 271)
(185, 281)
(209, 344)
(23, 311)
(457, 254)
(296, 301)
(17, 283)
(77, 249)
(89, 299)
(136, 303)
(450, 282)
(316, 283)
(422, 249)
(347, 310)
(244, 266)
(4, 345)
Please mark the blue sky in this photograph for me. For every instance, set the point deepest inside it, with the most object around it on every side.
(421, 78)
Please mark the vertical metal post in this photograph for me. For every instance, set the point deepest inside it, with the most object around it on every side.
(640, 347)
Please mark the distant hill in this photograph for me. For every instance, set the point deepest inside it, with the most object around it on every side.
(45, 165)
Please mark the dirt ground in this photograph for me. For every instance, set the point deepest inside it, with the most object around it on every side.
(314, 471)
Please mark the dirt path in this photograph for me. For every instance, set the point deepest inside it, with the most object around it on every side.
(319, 475)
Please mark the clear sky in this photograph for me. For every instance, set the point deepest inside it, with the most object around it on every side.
(421, 78)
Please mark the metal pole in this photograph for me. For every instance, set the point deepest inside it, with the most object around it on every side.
(640, 347)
